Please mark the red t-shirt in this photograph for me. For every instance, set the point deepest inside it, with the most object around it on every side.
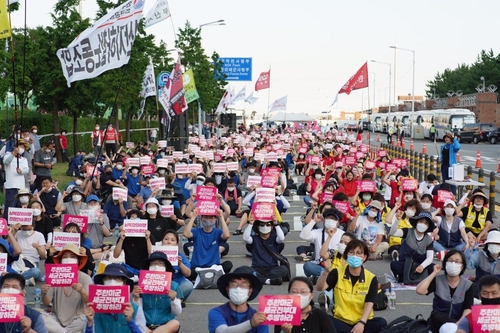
(350, 187)
(111, 135)
(395, 192)
(63, 141)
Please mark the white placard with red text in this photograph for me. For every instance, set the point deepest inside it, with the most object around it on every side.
(172, 253)
(24, 216)
(62, 238)
(135, 228)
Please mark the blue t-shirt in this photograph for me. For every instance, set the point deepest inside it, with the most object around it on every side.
(113, 211)
(206, 247)
(178, 276)
(182, 183)
(145, 193)
(216, 319)
(133, 184)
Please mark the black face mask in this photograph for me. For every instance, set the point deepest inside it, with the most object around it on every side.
(490, 301)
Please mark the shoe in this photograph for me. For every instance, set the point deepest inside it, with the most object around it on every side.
(42, 279)
(248, 254)
(323, 301)
(30, 282)
(183, 304)
(237, 232)
(276, 281)
(380, 256)
(395, 255)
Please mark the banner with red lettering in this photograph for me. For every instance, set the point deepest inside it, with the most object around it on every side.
(61, 275)
(154, 282)
(148, 169)
(263, 194)
(12, 308)
(206, 193)
(81, 220)
(369, 165)
(366, 186)
(158, 183)
(135, 228)
(444, 195)
(167, 210)
(342, 206)
(172, 253)
(357, 81)
(207, 207)
(109, 299)
(350, 160)
(195, 167)
(24, 216)
(253, 180)
(269, 181)
(263, 211)
(409, 184)
(280, 309)
(119, 192)
(3, 227)
(382, 153)
(400, 162)
(324, 197)
(264, 81)
(485, 318)
(220, 167)
(62, 238)
(3, 262)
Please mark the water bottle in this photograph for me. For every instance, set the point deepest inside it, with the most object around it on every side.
(117, 232)
(393, 299)
(38, 298)
(191, 249)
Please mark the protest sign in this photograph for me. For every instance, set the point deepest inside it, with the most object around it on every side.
(350, 160)
(135, 228)
(364, 149)
(81, 221)
(154, 282)
(209, 155)
(92, 171)
(232, 166)
(109, 299)
(325, 197)
(129, 145)
(61, 275)
(369, 165)
(263, 194)
(162, 144)
(3, 262)
(259, 156)
(133, 161)
(181, 168)
(272, 157)
(177, 154)
(199, 154)
(167, 210)
(263, 211)
(207, 207)
(206, 193)
(382, 153)
(248, 151)
(400, 162)
(444, 195)
(339, 164)
(409, 184)
(342, 206)
(62, 238)
(302, 150)
(270, 171)
(91, 214)
(359, 155)
(391, 167)
(315, 159)
(353, 150)
(230, 151)
(158, 183)
(24, 216)
(145, 160)
(12, 308)
(162, 163)
(172, 253)
(280, 309)
(253, 180)
(119, 192)
(3, 227)
(485, 318)
(148, 169)
(198, 168)
(269, 181)
(220, 167)
(366, 186)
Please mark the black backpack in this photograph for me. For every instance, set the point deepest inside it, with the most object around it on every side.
(405, 324)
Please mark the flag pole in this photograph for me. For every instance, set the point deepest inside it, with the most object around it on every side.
(268, 98)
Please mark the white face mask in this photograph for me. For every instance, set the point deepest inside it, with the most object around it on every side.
(478, 207)
(318, 177)
(119, 167)
(76, 198)
(97, 128)
(180, 176)
(24, 199)
(135, 171)
(421, 227)
(218, 179)
(37, 212)
(392, 177)
(425, 205)
(372, 213)
(69, 261)
(199, 182)
(10, 291)
(158, 268)
(113, 283)
(408, 197)
(94, 207)
(314, 167)
(27, 233)
(449, 211)
(166, 202)
(265, 229)
(79, 182)
(152, 211)
(251, 170)
(341, 247)
(35, 131)
(330, 224)
(238, 295)
(161, 171)
(494, 248)
(453, 269)
(305, 300)
(230, 189)
(20, 150)
(409, 213)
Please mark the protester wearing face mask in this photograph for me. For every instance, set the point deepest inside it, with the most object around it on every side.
(487, 260)
(76, 204)
(13, 283)
(43, 162)
(428, 184)
(251, 171)
(477, 217)
(32, 244)
(42, 223)
(160, 310)
(237, 315)
(157, 224)
(107, 180)
(410, 209)
(131, 320)
(264, 264)
(489, 291)
(133, 180)
(116, 211)
(362, 200)
(119, 172)
(300, 164)
(348, 183)
(23, 198)
(370, 230)
(312, 319)
(111, 140)
(97, 138)
(207, 242)
(451, 232)
(181, 180)
(233, 197)
(353, 310)
(317, 179)
(16, 166)
(98, 228)
(393, 180)
(49, 195)
(453, 294)
(68, 303)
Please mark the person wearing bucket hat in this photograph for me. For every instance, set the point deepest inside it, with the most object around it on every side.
(16, 166)
(370, 230)
(237, 315)
(76, 204)
(68, 303)
(23, 197)
(417, 246)
(487, 260)
(158, 224)
(160, 310)
(131, 320)
(452, 233)
(448, 156)
(477, 217)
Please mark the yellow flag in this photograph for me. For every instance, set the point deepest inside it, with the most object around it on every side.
(4, 20)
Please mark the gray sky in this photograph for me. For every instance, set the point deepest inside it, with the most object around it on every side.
(313, 47)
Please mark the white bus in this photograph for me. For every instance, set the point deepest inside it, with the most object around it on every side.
(445, 120)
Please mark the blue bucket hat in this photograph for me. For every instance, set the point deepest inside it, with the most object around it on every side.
(114, 270)
(158, 256)
(92, 197)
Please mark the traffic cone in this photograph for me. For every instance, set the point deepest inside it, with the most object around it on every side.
(398, 143)
(424, 149)
(478, 159)
(403, 143)
(411, 145)
(378, 138)
(498, 170)
(392, 141)
(458, 157)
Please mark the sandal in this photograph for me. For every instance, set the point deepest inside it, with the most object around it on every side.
(237, 232)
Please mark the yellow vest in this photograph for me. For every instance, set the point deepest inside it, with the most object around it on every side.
(349, 299)
(336, 262)
(394, 240)
(471, 217)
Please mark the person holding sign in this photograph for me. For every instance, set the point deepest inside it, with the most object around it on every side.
(98, 227)
(131, 320)
(14, 284)
(116, 209)
(32, 245)
(232, 196)
(354, 290)
(237, 315)
(135, 249)
(160, 310)
(410, 209)
(77, 202)
(42, 223)
(12, 250)
(68, 303)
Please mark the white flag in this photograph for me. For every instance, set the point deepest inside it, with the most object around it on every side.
(105, 45)
(148, 81)
(224, 102)
(335, 101)
(158, 13)
(250, 99)
(230, 100)
(279, 104)
(240, 95)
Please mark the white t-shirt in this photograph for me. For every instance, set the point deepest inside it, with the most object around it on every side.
(368, 231)
(425, 188)
(316, 233)
(26, 244)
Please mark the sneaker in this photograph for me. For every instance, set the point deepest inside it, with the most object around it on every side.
(30, 282)
(248, 254)
(395, 255)
(237, 232)
(183, 304)
(323, 301)
(276, 281)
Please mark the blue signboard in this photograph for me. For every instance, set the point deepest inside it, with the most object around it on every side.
(162, 81)
(237, 69)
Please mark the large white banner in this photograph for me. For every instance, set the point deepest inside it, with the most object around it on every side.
(158, 13)
(240, 95)
(105, 45)
(148, 81)
(279, 104)
(250, 99)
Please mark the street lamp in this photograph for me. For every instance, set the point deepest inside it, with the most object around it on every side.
(389, 110)
(219, 22)
(412, 86)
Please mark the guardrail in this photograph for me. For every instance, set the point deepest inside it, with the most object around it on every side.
(421, 165)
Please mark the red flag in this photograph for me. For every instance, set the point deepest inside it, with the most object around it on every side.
(357, 81)
(177, 99)
(264, 81)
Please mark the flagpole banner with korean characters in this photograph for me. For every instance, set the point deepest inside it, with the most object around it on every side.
(358, 81)
(5, 30)
(106, 45)
(158, 13)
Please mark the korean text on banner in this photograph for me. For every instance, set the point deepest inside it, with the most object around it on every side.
(280, 309)
(106, 45)
(24, 216)
(444, 195)
(153, 282)
(409, 184)
(172, 253)
(109, 299)
(263, 194)
(167, 210)
(120, 193)
(3, 262)
(207, 207)
(158, 13)
(62, 238)
(158, 183)
(263, 211)
(253, 180)
(342, 206)
(366, 186)
(135, 228)
(148, 169)
(81, 221)
(61, 275)
(485, 318)
(12, 308)
(3, 227)
(5, 30)
(206, 193)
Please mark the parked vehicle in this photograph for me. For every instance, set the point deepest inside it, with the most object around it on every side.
(494, 136)
(476, 132)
